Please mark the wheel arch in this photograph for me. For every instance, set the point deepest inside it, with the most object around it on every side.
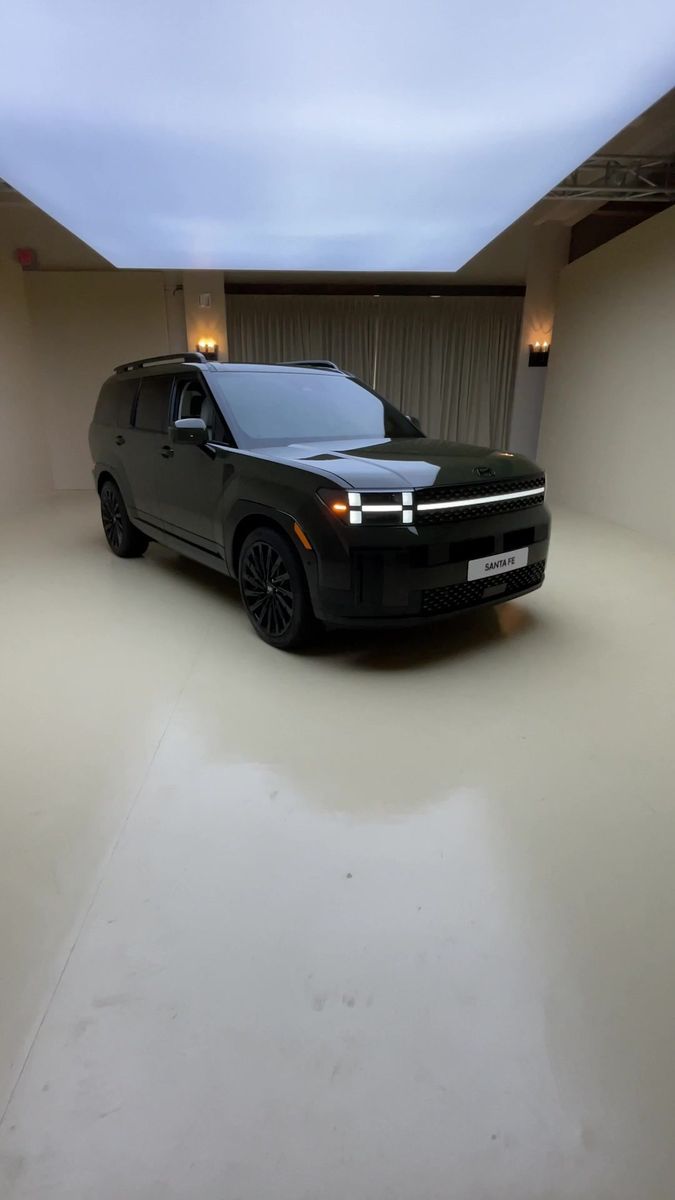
(246, 525)
(105, 473)
(104, 476)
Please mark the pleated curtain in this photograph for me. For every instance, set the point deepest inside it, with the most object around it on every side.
(449, 361)
(278, 328)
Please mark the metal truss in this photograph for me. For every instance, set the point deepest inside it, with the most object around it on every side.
(620, 177)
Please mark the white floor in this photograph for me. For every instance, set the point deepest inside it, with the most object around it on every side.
(389, 921)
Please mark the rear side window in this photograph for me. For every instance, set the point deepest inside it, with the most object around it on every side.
(115, 402)
(152, 406)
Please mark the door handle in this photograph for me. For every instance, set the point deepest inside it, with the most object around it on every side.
(166, 452)
(119, 440)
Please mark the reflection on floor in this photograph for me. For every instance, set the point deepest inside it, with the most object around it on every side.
(388, 919)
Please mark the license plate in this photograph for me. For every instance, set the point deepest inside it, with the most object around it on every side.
(497, 564)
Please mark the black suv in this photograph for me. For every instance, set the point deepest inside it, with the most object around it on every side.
(323, 500)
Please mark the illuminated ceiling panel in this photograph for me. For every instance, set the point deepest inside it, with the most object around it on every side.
(360, 135)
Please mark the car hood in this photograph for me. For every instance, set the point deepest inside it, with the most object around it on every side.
(401, 462)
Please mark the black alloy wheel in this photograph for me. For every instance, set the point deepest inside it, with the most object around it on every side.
(266, 585)
(111, 516)
(274, 590)
(124, 539)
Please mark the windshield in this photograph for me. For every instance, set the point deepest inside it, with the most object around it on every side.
(270, 408)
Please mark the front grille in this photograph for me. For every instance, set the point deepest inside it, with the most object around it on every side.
(467, 491)
(473, 591)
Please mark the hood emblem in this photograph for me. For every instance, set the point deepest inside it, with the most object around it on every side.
(484, 472)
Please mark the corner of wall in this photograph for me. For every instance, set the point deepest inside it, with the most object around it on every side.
(25, 469)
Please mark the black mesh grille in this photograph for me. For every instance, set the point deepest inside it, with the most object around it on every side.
(467, 491)
(474, 591)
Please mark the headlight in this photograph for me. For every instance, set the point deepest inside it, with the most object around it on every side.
(369, 508)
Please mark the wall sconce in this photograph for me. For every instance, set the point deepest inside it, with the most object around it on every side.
(538, 354)
(208, 348)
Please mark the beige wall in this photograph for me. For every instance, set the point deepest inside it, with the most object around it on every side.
(608, 432)
(205, 322)
(84, 323)
(24, 224)
(25, 472)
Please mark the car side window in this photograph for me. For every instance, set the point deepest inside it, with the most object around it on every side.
(116, 402)
(194, 401)
(152, 405)
(126, 395)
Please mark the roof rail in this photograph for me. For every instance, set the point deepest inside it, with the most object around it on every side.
(189, 356)
(321, 364)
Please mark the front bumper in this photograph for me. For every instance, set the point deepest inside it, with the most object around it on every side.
(392, 576)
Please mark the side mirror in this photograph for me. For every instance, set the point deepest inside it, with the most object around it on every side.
(189, 431)
(415, 421)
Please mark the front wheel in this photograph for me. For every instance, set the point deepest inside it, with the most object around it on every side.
(124, 539)
(274, 590)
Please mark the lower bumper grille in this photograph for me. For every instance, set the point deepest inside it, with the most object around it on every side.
(474, 591)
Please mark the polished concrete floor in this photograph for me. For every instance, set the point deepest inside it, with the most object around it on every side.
(392, 920)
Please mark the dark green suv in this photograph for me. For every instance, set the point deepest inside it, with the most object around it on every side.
(322, 499)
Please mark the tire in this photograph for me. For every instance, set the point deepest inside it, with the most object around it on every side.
(123, 538)
(274, 590)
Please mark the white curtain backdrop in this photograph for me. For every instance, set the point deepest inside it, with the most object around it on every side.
(449, 361)
(278, 328)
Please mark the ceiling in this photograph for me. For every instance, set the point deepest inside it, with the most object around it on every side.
(502, 262)
(366, 135)
(651, 132)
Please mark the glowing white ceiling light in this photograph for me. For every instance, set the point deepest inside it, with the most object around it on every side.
(408, 143)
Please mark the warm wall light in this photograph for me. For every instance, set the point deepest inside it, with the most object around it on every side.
(538, 354)
(208, 347)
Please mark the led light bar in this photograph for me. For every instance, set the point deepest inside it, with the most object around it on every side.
(357, 508)
(473, 501)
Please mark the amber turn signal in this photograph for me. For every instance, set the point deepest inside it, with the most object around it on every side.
(337, 503)
(301, 536)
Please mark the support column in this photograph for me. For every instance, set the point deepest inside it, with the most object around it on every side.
(175, 311)
(204, 296)
(549, 250)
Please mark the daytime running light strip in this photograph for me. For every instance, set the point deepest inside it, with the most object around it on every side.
(470, 503)
(357, 507)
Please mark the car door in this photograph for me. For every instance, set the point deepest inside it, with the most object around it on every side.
(109, 434)
(191, 479)
(144, 445)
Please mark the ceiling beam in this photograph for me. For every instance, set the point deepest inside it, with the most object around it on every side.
(620, 177)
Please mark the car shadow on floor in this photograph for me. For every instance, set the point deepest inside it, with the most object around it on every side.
(398, 649)
(418, 646)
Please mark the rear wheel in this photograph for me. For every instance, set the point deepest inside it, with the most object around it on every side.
(124, 539)
(274, 590)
